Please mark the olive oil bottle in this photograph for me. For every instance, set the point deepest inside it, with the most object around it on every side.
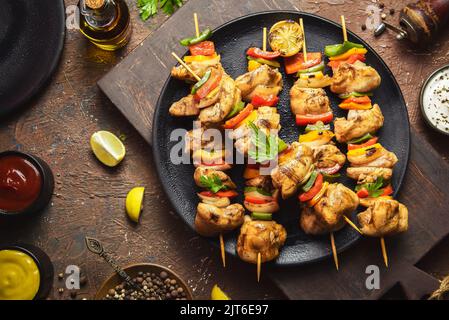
(106, 23)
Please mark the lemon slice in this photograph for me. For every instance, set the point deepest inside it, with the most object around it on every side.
(218, 294)
(134, 203)
(286, 37)
(108, 148)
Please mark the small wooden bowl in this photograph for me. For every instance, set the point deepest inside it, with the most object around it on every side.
(132, 270)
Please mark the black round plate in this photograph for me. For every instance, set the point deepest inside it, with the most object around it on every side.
(31, 42)
(231, 41)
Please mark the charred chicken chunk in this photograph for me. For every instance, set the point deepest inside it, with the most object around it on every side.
(185, 107)
(294, 168)
(369, 174)
(356, 77)
(384, 217)
(264, 81)
(212, 174)
(326, 215)
(199, 67)
(211, 220)
(308, 100)
(328, 156)
(264, 237)
(359, 123)
(266, 119)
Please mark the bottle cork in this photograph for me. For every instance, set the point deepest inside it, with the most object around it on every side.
(95, 4)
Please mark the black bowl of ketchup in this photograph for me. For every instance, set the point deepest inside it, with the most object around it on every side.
(26, 183)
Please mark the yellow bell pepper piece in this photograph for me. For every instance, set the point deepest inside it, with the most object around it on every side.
(319, 195)
(315, 75)
(347, 54)
(355, 106)
(199, 58)
(315, 135)
(362, 151)
(253, 65)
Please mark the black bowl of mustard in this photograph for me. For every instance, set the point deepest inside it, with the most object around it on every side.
(26, 184)
(26, 272)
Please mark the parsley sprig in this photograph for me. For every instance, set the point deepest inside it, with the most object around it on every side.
(213, 183)
(374, 188)
(265, 147)
(149, 8)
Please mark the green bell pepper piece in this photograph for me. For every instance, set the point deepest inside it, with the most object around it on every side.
(201, 82)
(354, 94)
(237, 108)
(206, 34)
(310, 182)
(259, 190)
(362, 139)
(316, 68)
(337, 49)
(261, 216)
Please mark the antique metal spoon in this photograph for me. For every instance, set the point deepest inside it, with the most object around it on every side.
(96, 247)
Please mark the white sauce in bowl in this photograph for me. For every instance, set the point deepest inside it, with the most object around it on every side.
(435, 100)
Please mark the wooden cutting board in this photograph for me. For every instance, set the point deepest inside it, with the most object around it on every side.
(134, 86)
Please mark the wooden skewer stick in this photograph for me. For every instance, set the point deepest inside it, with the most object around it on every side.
(304, 46)
(334, 250)
(259, 263)
(264, 42)
(223, 252)
(343, 25)
(197, 28)
(352, 224)
(186, 66)
(384, 251)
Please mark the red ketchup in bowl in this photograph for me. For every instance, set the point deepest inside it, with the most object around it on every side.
(20, 183)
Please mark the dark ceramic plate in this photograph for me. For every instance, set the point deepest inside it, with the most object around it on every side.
(231, 41)
(31, 42)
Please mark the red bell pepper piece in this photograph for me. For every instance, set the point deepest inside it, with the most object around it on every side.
(231, 123)
(303, 120)
(259, 53)
(313, 191)
(295, 63)
(257, 200)
(388, 190)
(370, 142)
(363, 193)
(204, 48)
(352, 59)
(269, 101)
(221, 194)
(210, 85)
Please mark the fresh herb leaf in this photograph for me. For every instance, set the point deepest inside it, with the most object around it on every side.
(374, 189)
(265, 147)
(149, 8)
(213, 183)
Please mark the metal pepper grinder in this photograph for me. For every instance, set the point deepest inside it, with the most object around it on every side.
(420, 22)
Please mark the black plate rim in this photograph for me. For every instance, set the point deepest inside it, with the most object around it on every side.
(157, 154)
(50, 71)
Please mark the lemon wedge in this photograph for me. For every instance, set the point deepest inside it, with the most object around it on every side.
(218, 294)
(134, 203)
(286, 36)
(107, 147)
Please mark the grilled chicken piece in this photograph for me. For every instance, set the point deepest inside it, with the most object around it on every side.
(264, 237)
(308, 100)
(359, 123)
(185, 107)
(387, 160)
(328, 156)
(229, 95)
(356, 77)
(199, 67)
(294, 168)
(326, 215)
(211, 220)
(384, 217)
(211, 174)
(267, 119)
(368, 174)
(264, 81)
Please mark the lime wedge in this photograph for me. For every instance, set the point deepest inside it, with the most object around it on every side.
(108, 148)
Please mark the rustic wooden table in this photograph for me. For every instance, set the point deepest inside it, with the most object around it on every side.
(89, 198)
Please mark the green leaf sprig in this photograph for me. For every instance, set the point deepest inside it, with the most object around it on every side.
(148, 8)
(374, 188)
(266, 147)
(213, 183)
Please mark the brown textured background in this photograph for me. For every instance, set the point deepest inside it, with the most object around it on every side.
(89, 198)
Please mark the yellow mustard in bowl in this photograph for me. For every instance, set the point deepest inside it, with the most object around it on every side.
(19, 276)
